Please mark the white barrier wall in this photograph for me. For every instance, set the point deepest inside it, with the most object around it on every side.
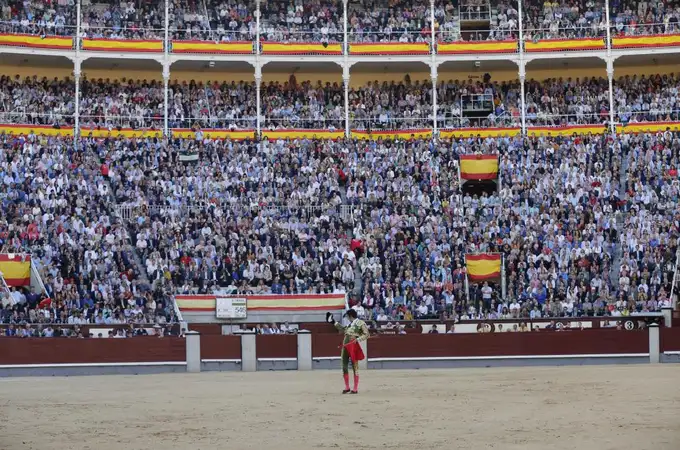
(304, 350)
(248, 352)
(193, 351)
(654, 348)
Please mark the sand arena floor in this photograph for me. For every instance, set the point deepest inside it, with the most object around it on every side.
(575, 408)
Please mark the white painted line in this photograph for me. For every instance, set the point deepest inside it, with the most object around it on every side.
(482, 358)
(237, 361)
(327, 358)
(126, 364)
(674, 352)
(275, 359)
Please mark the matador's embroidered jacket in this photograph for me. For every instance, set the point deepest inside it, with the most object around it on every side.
(356, 330)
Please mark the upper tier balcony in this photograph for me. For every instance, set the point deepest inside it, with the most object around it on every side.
(338, 32)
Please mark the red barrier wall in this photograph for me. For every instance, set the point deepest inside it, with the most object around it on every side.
(220, 347)
(670, 339)
(276, 346)
(510, 344)
(64, 351)
(325, 345)
(149, 349)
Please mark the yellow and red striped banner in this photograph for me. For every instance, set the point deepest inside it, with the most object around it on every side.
(300, 48)
(566, 130)
(16, 269)
(45, 130)
(224, 48)
(423, 133)
(26, 40)
(463, 47)
(123, 132)
(123, 45)
(556, 45)
(389, 48)
(302, 134)
(237, 135)
(483, 266)
(658, 40)
(479, 167)
(478, 132)
(648, 127)
(292, 302)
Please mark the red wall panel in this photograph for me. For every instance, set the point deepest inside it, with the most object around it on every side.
(509, 344)
(66, 350)
(220, 347)
(670, 339)
(326, 345)
(276, 346)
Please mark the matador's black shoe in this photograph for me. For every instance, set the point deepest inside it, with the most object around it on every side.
(346, 391)
(353, 392)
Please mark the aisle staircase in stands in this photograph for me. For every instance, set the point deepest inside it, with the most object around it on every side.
(131, 251)
(617, 248)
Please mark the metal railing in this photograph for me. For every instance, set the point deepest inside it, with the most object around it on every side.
(635, 27)
(4, 288)
(388, 35)
(213, 28)
(32, 28)
(474, 11)
(390, 123)
(300, 210)
(476, 102)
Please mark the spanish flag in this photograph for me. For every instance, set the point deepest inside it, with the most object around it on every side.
(16, 269)
(479, 167)
(483, 266)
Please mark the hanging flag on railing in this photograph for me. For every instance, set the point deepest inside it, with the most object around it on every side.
(479, 167)
(483, 266)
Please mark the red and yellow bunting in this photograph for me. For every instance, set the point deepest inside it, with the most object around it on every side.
(215, 48)
(120, 133)
(648, 127)
(44, 130)
(123, 45)
(301, 48)
(389, 48)
(302, 134)
(479, 167)
(483, 266)
(566, 130)
(238, 135)
(293, 302)
(16, 269)
(424, 133)
(26, 40)
(478, 132)
(557, 45)
(463, 47)
(659, 40)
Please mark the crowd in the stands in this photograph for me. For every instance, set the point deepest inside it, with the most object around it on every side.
(391, 105)
(393, 21)
(586, 225)
(303, 104)
(476, 21)
(322, 20)
(377, 105)
(482, 103)
(56, 205)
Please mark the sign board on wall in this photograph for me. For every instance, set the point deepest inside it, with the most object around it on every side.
(231, 307)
